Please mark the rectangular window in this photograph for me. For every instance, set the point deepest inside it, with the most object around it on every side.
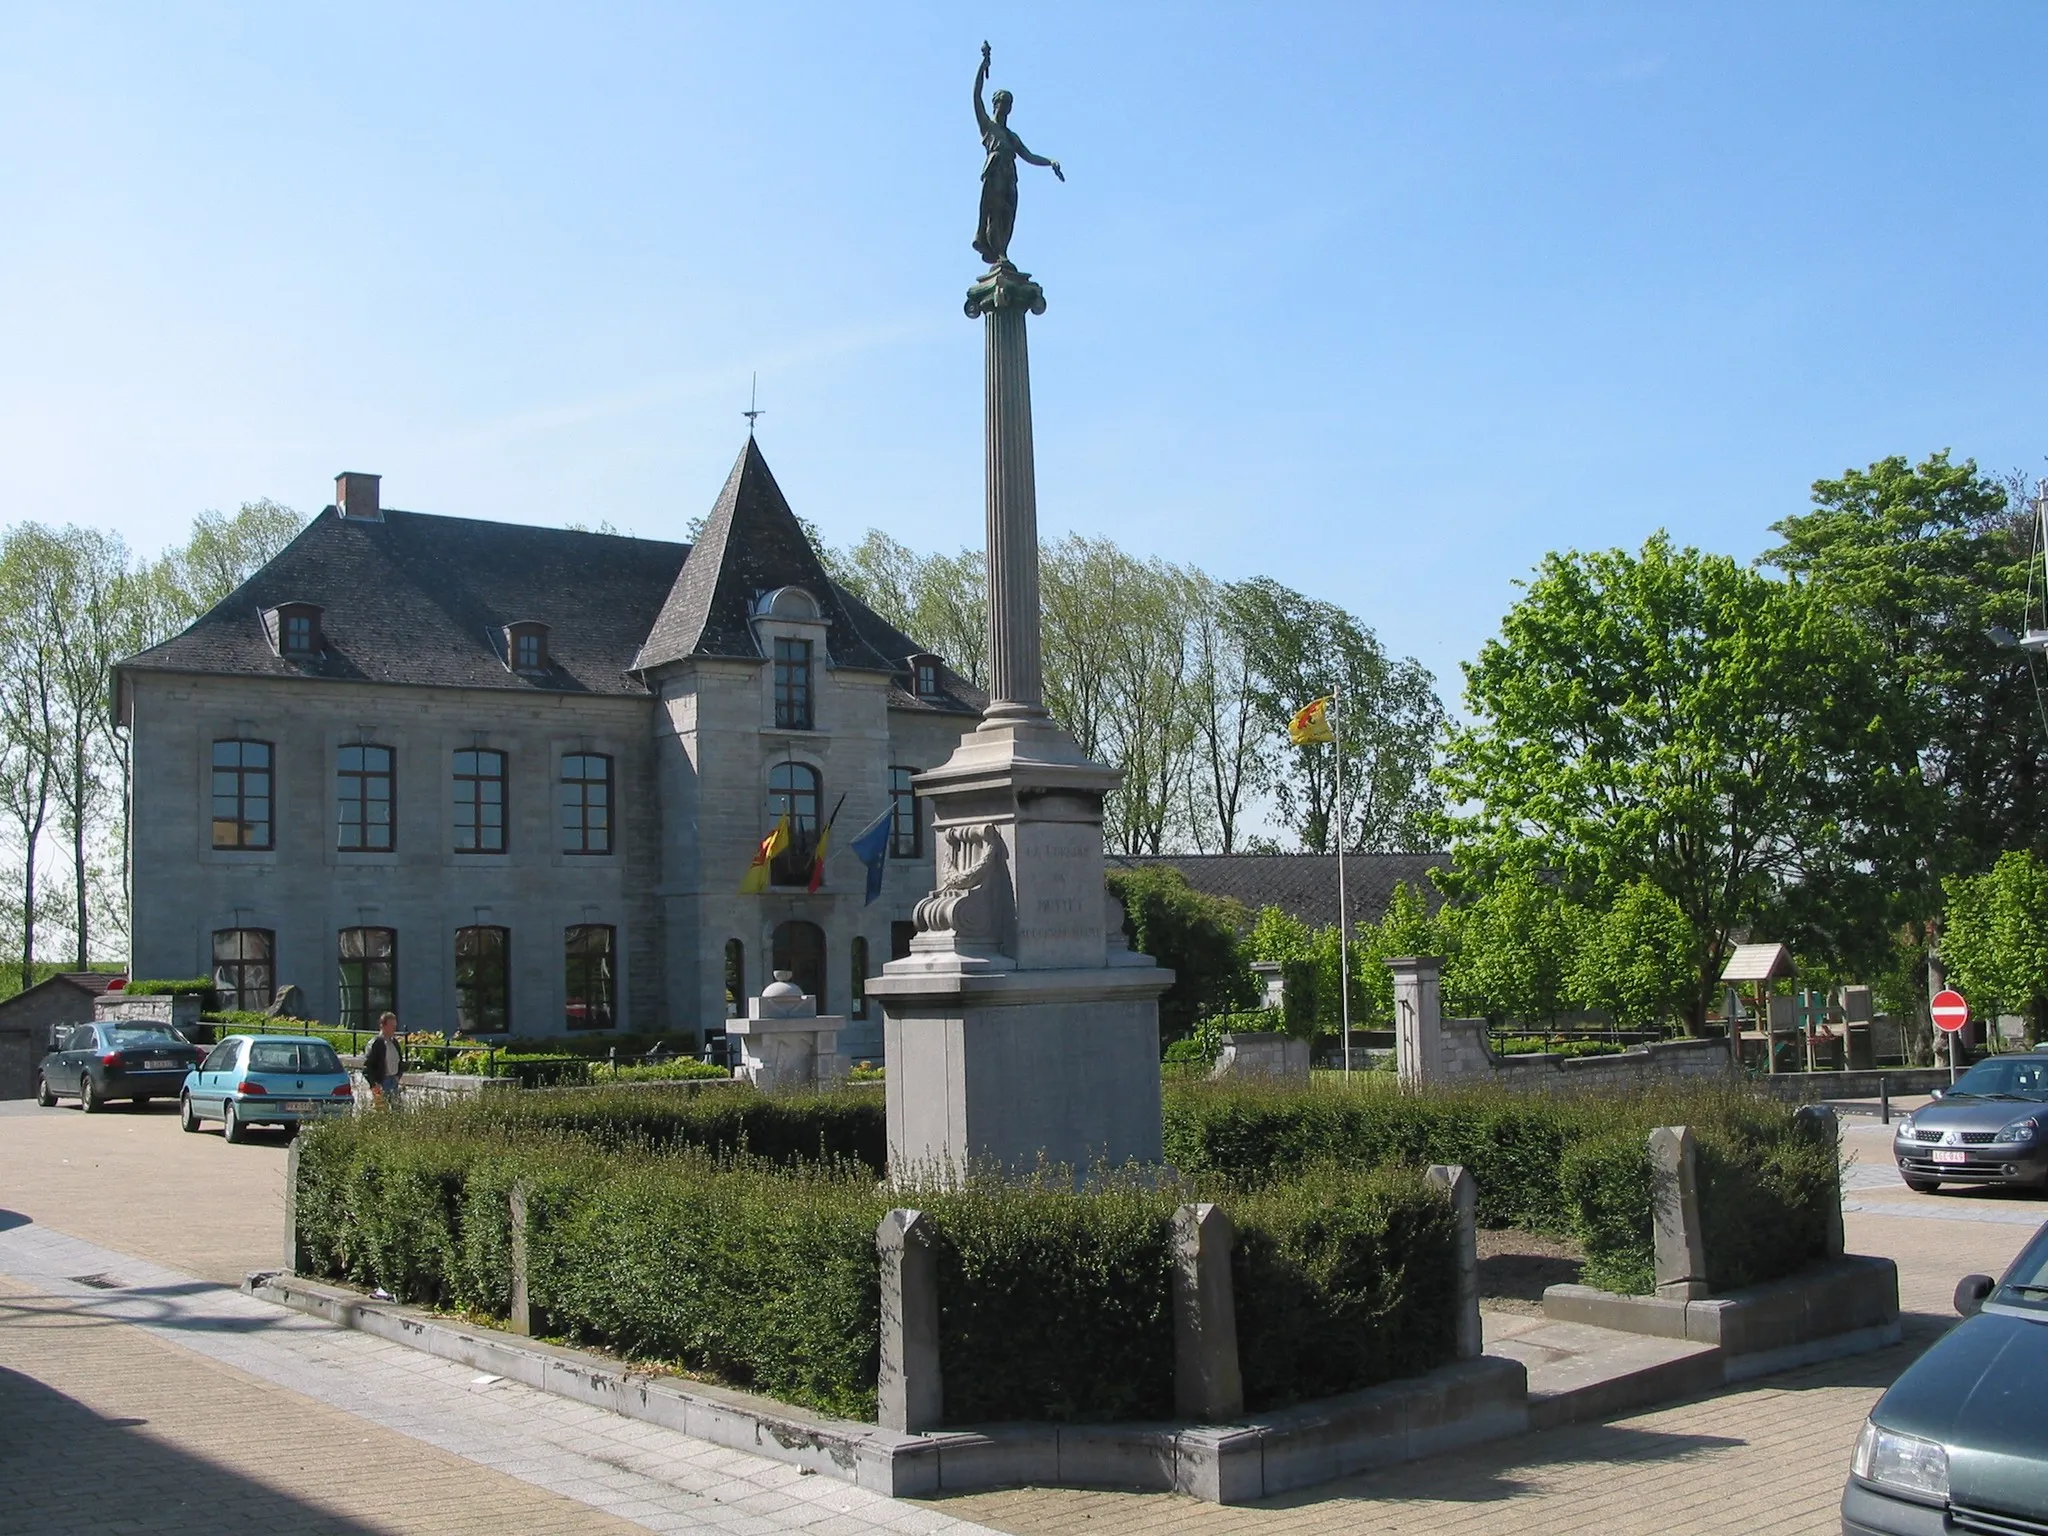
(245, 967)
(586, 803)
(363, 789)
(480, 802)
(526, 651)
(298, 634)
(906, 833)
(860, 978)
(369, 975)
(793, 685)
(588, 985)
(483, 980)
(241, 794)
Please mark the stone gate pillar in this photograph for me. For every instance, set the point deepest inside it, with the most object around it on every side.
(1418, 1019)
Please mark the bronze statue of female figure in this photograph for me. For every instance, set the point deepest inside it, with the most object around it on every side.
(999, 171)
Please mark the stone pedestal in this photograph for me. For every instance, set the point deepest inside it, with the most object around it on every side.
(1020, 1028)
(784, 1041)
(1418, 1019)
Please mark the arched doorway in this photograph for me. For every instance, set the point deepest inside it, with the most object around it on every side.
(799, 947)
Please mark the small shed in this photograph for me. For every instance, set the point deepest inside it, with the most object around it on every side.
(27, 1018)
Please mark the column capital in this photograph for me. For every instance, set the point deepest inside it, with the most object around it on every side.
(1004, 287)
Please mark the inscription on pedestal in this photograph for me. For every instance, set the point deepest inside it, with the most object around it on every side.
(1059, 895)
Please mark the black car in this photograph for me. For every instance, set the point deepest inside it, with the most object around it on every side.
(103, 1061)
(1990, 1128)
(1958, 1443)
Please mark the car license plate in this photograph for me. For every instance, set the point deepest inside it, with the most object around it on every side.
(300, 1106)
(158, 1066)
(1951, 1157)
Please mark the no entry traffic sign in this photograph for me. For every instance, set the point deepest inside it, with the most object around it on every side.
(1950, 1011)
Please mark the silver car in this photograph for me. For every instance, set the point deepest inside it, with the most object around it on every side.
(1990, 1128)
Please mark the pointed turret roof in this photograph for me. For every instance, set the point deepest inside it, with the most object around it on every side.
(754, 544)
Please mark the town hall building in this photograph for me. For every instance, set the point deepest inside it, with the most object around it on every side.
(501, 778)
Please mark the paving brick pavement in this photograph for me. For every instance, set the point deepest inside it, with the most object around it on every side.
(266, 1418)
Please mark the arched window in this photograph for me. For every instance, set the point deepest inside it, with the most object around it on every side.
(859, 1006)
(799, 947)
(244, 967)
(589, 984)
(735, 978)
(794, 791)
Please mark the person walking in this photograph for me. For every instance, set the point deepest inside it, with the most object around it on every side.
(384, 1063)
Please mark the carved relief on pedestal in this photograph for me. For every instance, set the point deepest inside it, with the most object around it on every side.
(963, 915)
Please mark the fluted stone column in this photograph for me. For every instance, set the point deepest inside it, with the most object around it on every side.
(1016, 685)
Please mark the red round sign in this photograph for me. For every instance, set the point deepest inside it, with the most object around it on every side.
(1949, 1010)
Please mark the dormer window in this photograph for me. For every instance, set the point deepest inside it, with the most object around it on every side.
(294, 630)
(526, 646)
(924, 675)
(788, 603)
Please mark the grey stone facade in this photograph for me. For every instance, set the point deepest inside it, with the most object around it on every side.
(660, 666)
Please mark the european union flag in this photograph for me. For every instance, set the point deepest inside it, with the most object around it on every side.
(871, 847)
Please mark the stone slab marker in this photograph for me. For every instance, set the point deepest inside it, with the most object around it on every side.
(519, 1314)
(1825, 1126)
(1208, 1386)
(1456, 1181)
(909, 1393)
(291, 1208)
(1681, 1243)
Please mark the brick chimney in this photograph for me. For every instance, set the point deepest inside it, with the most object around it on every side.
(355, 496)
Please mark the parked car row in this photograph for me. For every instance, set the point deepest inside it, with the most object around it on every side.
(243, 1081)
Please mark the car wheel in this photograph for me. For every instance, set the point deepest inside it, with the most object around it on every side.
(188, 1118)
(45, 1094)
(230, 1127)
(1923, 1186)
(89, 1098)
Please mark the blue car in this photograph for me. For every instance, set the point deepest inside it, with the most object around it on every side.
(265, 1080)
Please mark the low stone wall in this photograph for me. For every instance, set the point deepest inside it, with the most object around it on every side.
(1467, 1054)
(1281, 1058)
(423, 1089)
(177, 1011)
(1811, 1087)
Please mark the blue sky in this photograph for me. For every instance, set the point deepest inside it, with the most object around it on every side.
(1381, 300)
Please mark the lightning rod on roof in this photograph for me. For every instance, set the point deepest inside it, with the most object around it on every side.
(753, 412)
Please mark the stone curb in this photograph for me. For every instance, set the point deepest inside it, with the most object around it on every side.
(1843, 1306)
(1458, 1405)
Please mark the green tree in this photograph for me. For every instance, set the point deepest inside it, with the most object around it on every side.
(938, 600)
(1515, 949)
(1193, 934)
(1666, 716)
(225, 550)
(1994, 939)
(1407, 927)
(1636, 960)
(1299, 649)
(1931, 561)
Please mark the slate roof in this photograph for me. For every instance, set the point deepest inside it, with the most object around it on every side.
(87, 984)
(421, 599)
(424, 600)
(1304, 885)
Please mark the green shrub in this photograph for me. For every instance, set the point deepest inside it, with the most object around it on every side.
(1530, 1045)
(531, 1071)
(1054, 1304)
(867, 1072)
(1341, 1277)
(1565, 1164)
(660, 1072)
(846, 1124)
(188, 986)
(1194, 935)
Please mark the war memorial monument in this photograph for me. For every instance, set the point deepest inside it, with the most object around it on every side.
(1020, 1028)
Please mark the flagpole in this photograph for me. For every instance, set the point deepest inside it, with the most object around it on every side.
(1343, 907)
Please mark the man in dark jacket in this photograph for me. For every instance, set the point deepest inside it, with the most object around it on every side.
(384, 1062)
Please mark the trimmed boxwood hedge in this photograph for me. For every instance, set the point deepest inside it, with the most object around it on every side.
(1568, 1165)
(663, 1232)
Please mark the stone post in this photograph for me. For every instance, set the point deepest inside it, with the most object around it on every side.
(1819, 1121)
(1016, 689)
(909, 1393)
(519, 1313)
(1681, 1244)
(1456, 1181)
(1207, 1384)
(291, 1208)
(1418, 1019)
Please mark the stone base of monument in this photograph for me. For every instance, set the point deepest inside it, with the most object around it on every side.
(1011, 1069)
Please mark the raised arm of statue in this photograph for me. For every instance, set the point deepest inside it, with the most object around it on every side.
(981, 117)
